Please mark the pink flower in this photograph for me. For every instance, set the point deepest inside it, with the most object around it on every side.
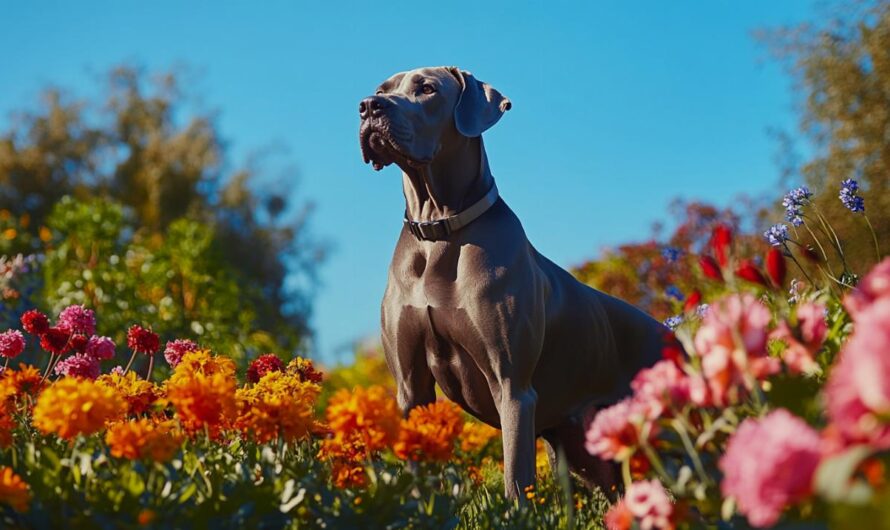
(613, 433)
(176, 349)
(875, 285)
(805, 339)
(769, 464)
(858, 389)
(78, 365)
(732, 345)
(659, 387)
(811, 321)
(649, 504)
(12, 343)
(100, 348)
(619, 517)
(77, 319)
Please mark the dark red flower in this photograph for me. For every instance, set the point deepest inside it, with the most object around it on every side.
(710, 268)
(671, 349)
(748, 271)
(35, 322)
(775, 266)
(78, 343)
(721, 239)
(55, 341)
(692, 300)
(262, 365)
(142, 340)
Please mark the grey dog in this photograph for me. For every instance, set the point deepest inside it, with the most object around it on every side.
(470, 304)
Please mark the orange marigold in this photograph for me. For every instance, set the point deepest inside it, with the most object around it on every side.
(370, 414)
(137, 392)
(202, 390)
(26, 380)
(144, 438)
(476, 435)
(347, 458)
(305, 369)
(13, 490)
(278, 405)
(429, 432)
(73, 406)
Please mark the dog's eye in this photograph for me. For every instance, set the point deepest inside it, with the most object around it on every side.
(428, 89)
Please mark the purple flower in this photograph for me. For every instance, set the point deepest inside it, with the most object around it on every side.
(176, 349)
(674, 321)
(673, 292)
(671, 254)
(77, 319)
(100, 348)
(794, 201)
(78, 366)
(777, 234)
(848, 196)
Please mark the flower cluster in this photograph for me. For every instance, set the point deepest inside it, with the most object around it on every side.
(202, 391)
(144, 438)
(278, 406)
(794, 201)
(429, 432)
(71, 406)
(13, 490)
(849, 198)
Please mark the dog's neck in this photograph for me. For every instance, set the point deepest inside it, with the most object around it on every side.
(454, 180)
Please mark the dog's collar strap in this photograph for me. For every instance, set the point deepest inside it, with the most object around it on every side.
(441, 228)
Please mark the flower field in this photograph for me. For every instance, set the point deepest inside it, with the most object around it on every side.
(770, 407)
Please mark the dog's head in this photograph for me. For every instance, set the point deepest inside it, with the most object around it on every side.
(414, 114)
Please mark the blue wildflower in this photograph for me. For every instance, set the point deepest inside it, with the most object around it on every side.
(674, 321)
(671, 254)
(848, 196)
(673, 292)
(794, 201)
(777, 234)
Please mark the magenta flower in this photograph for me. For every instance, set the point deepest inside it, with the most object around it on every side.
(78, 365)
(874, 285)
(649, 504)
(659, 387)
(769, 464)
(176, 349)
(805, 339)
(12, 343)
(100, 348)
(77, 319)
(613, 434)
(142, 340)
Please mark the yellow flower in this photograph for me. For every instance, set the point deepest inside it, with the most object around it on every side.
(26, 380)
(202, 390)
(542, 460)
(13, 490)
(370, 414)
(278, 405)
(73, 406)
(144, 438)
(305, 369)
(10, 233)
(476, 435)
(138, 393)
(429, 432)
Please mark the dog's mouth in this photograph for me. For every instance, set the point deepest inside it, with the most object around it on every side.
(380, 149)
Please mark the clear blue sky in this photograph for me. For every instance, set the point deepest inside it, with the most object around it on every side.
(618, 106)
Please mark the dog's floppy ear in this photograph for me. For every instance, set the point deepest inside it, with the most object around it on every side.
(479, 105)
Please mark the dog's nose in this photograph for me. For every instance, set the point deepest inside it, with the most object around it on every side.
(372, 106)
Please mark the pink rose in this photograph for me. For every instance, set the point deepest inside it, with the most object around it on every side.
(614, 434)
(660, 387)
(649, 504)
(769, 464)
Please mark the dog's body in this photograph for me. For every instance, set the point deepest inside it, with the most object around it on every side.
(507, 334)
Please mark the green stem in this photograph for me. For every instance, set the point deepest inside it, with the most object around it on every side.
(821, 248)
(799, 266)
(874, 237)
(680, 427)
(625, 472)
(656, 464)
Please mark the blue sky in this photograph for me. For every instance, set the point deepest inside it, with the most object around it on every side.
(618, 107)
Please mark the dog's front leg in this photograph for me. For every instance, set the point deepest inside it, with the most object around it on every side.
(517, 411)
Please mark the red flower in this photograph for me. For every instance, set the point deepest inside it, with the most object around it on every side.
(775, 266)
(78, 343)
(810, 254)
(55, 341)
(692, 300)
(142, 340)
(35, 322)
(749, 272)
(721, 238)
(262, 365)
(710, 268)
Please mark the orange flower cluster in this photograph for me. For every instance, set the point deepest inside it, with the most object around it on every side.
(362, 422)
(13, 490)
(26, 381)
(476, 436)
(278, 405)
(7, 408)
(73, 406)
(202, 390)
(144, 438)
(137, 392)
(429, 432)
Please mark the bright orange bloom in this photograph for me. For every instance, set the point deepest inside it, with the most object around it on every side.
(347, 461)
(429, 432)
(144, 438)
(137, 392)
(369, 413)
(476, 435)
(13, 490)
(542, 459)
(146, 517)
(202, 390)
(305, 369)
(73, 406)
(26, 380)
(278, 405)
